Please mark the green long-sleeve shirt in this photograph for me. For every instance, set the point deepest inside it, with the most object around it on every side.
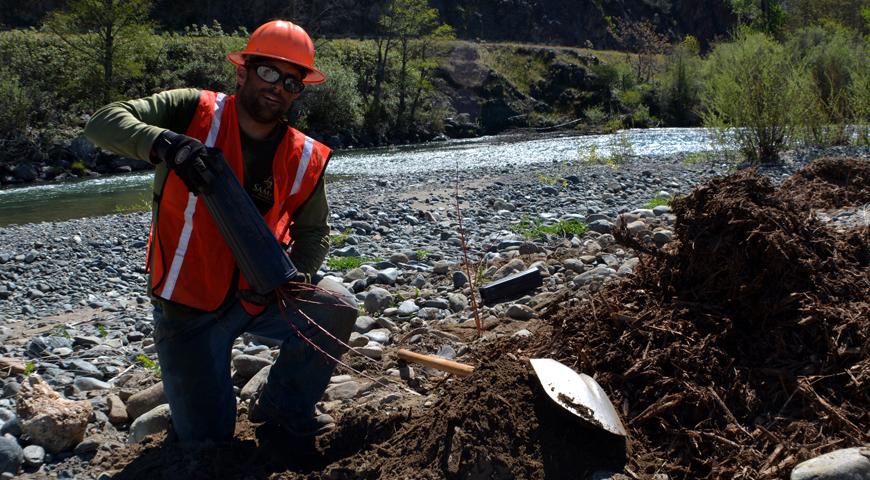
(130, 128)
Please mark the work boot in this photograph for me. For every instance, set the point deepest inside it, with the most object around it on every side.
(296, 424)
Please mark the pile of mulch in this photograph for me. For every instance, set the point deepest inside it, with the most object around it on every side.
(743, 347)
(831, 182)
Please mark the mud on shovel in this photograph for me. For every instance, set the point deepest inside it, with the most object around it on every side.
(579, 394)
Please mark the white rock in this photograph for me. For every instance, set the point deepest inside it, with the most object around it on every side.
(372, 350)
(87, 384)
(343, 391)
(408, 307)
(255, 384)
(520, 312)
(151, 422)
(844, 464)
(357, 340)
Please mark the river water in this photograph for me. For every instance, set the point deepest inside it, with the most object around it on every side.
(110, 194)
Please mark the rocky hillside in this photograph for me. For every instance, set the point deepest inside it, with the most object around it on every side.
(582, 22)
(560, 22)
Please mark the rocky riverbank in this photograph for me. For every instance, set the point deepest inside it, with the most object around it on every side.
(73, 310)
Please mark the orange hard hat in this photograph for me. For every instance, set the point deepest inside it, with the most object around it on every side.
(282, 40)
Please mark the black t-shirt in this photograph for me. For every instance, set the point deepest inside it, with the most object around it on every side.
(258, 155)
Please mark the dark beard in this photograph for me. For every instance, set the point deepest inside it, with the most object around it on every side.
(259, 112)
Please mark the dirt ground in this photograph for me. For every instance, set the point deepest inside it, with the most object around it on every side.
(737, 351)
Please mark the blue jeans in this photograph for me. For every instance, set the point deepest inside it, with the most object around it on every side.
(194, 353)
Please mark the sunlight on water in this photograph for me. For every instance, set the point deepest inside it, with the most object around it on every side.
(105, 195)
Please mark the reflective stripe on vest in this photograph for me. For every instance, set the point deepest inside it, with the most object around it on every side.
(191, 264)
(181, 250)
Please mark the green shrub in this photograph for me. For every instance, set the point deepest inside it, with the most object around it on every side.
(594, 115)
(612, 125)
(621, 148)
(15, 104)
(57, 83)
(335, 105)
(836, 60)
(631, 99)
(680, 85)
(619, 75)
(751, 92)
(193, 61)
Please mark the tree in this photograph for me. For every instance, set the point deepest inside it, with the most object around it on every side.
(642, 38)
(105, 32)
(766, 16)
(412, 27)
(680, 90)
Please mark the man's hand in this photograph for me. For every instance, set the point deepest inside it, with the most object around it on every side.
(186, 157)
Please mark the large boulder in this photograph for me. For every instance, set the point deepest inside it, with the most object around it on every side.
(83, 150)
(49, 420)
(146, 400)
(25, 172)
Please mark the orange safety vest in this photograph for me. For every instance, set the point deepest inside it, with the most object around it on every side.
(190, 262)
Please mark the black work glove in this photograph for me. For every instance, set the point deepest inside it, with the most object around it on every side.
(186, 157)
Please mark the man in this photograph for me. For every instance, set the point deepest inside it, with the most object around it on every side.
(201, 302)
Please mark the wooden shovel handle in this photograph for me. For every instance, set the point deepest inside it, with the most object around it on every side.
(443, 364)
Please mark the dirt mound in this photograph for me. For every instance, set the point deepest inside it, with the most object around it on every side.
(740, 349)
(831, 182)
(496, 425)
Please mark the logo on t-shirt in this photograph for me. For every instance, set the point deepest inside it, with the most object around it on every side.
(264, 190)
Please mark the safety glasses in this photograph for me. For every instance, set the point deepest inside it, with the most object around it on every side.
(272, 75)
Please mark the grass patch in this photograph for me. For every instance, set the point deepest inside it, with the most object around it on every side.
(422, 253)
(658, 201)
(339, 239)
(101, 331)
(535, 228)
(142, 205)
(522, 70)
(348, 263)
(146, 362)
(29, 368)
(697, 157)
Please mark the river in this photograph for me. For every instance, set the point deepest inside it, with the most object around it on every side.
(110, 194)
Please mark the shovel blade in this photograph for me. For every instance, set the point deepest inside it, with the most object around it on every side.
(579, 394)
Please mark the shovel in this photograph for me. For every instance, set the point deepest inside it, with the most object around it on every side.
(579, 394)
